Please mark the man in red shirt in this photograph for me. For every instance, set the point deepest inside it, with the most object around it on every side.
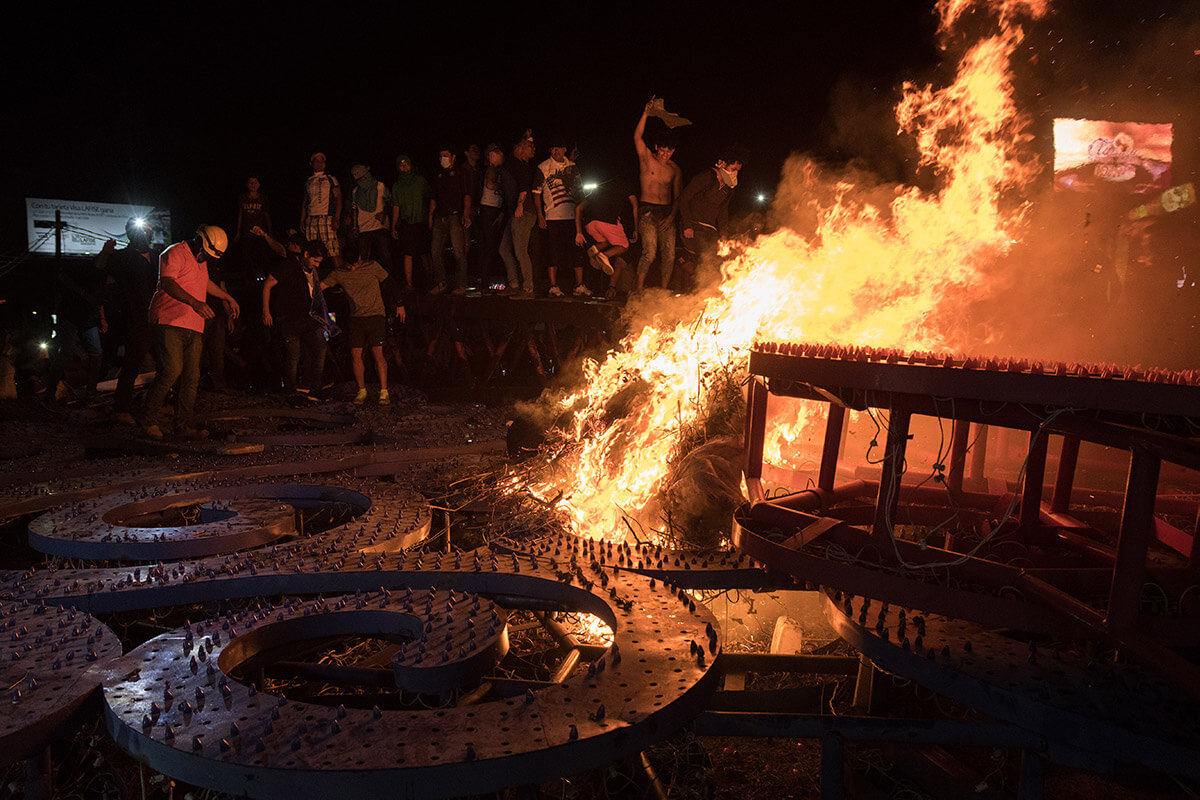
(177, 312)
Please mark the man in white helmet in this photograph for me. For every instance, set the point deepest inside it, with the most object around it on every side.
(177, 312)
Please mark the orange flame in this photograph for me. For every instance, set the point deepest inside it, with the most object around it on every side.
(895, 275)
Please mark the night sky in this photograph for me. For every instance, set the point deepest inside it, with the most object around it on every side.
(175, 105)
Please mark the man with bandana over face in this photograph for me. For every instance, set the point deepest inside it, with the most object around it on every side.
(704, 205)
(135, 271)
(371, 218)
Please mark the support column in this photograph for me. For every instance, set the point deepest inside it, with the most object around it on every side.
(889, 480)
(39, 776)
(979, 454)
(1035, 476)
(960, 437)
(1033, 776)
(832, 760)
(756, 427)
(835, 423)
(1064, 480)
(1137, 525)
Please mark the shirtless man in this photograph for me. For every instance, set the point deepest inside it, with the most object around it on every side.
(658, 205)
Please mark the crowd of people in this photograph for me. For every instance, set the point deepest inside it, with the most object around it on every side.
(484, 222)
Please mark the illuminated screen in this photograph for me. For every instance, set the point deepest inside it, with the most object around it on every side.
(1130, 157)
(86, 226)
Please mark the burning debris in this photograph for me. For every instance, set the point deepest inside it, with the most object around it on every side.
(901, 275)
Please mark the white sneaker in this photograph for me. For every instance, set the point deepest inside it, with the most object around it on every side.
(361, 397)
(582, 291)
(599, 260)
(384, 398)
(555, 291)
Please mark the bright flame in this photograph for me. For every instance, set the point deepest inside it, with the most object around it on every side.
(896, 274)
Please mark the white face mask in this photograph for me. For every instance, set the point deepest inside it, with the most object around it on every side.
(727, 177)
(446, 162)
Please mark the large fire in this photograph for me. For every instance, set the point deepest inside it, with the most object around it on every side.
(884, 275)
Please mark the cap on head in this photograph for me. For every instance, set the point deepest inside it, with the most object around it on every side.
(212, 240)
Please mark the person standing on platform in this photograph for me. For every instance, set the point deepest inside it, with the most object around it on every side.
(321, 211)
(177, 312)
(704, 207)
(450, 218)
(410, 213)
(658, 203)
(556, 199)
(519, 178)
(491, 213)
(371, 218)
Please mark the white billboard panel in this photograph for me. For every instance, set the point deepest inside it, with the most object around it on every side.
(86, 226)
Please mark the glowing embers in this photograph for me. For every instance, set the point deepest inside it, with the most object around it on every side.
(142, 527)
(46, 657)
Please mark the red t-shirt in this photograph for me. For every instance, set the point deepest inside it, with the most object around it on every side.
(178, 262)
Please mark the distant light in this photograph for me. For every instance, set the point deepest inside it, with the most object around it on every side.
(140, 222)
(591, 187)
(44, 345)
(762, 198)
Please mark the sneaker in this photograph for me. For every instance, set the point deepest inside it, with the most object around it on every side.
(582, 291)
(555, 291)
(458, 291)
(153, 431)
(599, 260)
(361, 397)
(384, 398)
(438, 288)
(508, 291)
(524, 294)
(124, 418)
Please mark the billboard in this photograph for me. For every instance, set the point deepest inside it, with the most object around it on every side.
(1124, 157)
(86, 226)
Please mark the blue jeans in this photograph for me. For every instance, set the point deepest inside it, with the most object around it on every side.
(450, 226)
(177, 351)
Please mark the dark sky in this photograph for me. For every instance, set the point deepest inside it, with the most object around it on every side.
(176, 104)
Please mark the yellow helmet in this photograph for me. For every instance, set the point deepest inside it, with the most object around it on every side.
(213, 240)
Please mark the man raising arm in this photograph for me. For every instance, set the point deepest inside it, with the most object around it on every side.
(658, 203)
